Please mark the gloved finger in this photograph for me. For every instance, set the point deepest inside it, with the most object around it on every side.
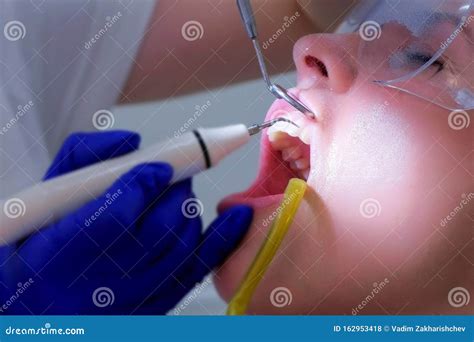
(160, 230)
(170, 212)
(154, 280)
(119, 208)
(159, 282)
(218, 242)
(83, 149)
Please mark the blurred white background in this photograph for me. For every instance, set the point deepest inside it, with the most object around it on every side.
(243, 103)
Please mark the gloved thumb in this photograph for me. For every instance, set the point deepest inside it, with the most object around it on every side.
(221, 239)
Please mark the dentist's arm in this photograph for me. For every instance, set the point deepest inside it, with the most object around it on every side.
(222, 55)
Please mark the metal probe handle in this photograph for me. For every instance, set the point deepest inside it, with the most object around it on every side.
(246, 13)
(278, 91)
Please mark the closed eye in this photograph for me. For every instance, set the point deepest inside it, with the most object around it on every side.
(420, 58)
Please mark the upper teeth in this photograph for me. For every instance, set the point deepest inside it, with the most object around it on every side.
(292, 153)
(302, 131)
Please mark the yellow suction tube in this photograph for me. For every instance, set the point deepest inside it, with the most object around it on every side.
(285, 213)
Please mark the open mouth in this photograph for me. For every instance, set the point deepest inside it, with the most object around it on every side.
(285, 154)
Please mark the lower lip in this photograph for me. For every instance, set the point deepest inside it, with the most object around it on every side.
(254, 202)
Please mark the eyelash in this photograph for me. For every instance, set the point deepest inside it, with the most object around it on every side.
(422, 59)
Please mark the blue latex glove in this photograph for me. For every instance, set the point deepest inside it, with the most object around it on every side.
(139, 255)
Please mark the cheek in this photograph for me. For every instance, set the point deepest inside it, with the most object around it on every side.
(389, 156)
(366, 163)
(386, 174)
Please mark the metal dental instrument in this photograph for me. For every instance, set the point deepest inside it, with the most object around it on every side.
(248, 19)
(254, 129)
(189, 154)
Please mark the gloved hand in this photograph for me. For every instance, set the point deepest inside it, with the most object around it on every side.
(133, 250)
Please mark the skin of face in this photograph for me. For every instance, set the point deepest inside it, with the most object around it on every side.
(372, 234)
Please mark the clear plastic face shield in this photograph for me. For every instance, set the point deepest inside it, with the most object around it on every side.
(421, 47)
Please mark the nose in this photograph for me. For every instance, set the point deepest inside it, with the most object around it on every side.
(326, 61)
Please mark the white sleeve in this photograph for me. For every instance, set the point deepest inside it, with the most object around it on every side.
(70, 58)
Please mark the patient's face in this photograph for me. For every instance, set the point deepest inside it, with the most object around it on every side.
(386, 224)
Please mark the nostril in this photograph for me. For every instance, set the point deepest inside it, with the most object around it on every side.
(313, 62)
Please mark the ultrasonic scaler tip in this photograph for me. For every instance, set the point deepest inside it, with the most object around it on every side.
(254, 129)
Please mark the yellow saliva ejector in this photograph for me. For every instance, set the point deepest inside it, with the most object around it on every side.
(287, 210)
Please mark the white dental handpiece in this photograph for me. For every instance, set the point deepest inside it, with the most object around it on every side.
(188, 154)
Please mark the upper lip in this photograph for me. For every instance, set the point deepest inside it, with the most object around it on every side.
(316, 100)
